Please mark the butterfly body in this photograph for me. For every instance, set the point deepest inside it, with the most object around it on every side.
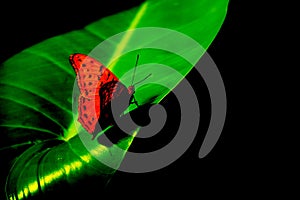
(98, 88)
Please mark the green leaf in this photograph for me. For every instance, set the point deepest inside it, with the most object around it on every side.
(37, 86)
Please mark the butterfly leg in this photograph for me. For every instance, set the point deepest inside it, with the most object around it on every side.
(133, 100)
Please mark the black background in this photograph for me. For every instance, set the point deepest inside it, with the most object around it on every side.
(233, 167)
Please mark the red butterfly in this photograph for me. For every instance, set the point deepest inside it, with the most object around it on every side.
(98, 87)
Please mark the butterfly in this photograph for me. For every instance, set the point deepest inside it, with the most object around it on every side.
(98, 87)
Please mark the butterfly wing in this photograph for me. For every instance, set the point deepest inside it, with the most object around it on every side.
(114, 94)
(111, 91)
(91, 76)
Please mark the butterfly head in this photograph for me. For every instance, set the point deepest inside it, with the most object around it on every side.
(131, 89)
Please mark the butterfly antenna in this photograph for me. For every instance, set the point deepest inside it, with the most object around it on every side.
(143, 79)
(137, 59)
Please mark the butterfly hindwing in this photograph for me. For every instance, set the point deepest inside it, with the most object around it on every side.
(88, 113)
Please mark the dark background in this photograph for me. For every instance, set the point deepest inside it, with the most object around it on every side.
(234, 166)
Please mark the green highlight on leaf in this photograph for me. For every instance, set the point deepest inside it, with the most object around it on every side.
(37, 87)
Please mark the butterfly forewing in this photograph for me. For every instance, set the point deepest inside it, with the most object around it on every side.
(110, 91)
